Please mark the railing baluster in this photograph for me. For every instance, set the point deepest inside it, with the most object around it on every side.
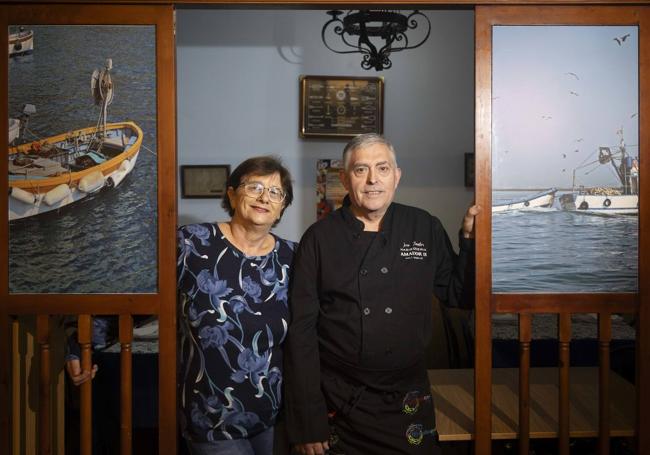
(126, 383)
(524, 383)
(16, 389)
(565, 338)
(44, 385)
(604, 338)
(84, 333)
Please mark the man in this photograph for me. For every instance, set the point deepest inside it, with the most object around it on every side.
(362, 291)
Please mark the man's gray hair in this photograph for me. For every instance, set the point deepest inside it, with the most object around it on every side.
(366, 140)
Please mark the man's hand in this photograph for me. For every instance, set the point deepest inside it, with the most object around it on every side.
(468, 221)
(77, 376)
(312, 448)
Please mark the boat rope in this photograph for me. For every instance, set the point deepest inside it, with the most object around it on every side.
(149, 150)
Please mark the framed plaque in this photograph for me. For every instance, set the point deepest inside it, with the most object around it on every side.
(204, 181)
(334, 106)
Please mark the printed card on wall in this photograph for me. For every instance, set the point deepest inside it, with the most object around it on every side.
(329, 189)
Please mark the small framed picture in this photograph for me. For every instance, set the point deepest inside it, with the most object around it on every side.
(341, 107)
(204, 180)
(469, 169)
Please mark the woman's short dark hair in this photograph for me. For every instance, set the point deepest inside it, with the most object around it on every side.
(262, 166)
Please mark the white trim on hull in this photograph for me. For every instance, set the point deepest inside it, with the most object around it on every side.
(19, 209)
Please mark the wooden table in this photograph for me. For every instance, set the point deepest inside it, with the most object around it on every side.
(453, 394)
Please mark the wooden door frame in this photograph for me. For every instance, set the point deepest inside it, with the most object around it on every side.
(563, 303)
(161, 303)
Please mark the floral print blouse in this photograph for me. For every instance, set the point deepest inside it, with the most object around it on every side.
(234, 318)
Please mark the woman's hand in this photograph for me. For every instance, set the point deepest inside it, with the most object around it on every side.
(77, 376)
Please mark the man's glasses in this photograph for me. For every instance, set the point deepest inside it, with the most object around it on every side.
(256, 189)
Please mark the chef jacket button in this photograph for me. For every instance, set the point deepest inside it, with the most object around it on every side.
(384, 270)
(388, 310)
(364, 272)
(366, 311)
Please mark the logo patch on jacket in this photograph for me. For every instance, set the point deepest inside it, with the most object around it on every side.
(413, 250)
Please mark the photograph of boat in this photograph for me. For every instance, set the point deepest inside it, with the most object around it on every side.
(562, 96)
(620, 200)
(543, 199)
(21, 42)
(82, 173)
(51, 173)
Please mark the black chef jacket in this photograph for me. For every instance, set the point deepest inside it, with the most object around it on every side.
(362, 306)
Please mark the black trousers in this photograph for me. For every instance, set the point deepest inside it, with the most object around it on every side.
(368, 421)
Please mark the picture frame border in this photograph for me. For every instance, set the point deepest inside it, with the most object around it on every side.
(187, 168)
(336, 133)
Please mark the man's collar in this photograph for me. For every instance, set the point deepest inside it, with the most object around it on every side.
(357, 225)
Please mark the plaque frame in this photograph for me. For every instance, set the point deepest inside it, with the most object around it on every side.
(341, 114)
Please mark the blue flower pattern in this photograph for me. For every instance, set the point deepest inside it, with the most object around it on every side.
(234, 317)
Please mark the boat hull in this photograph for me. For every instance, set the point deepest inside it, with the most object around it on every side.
(624, 204)
(21, 43)
(34, 196)
(541, 200)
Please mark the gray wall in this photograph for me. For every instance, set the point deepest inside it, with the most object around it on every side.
(237, 79)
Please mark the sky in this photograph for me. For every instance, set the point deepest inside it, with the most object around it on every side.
(558, 93)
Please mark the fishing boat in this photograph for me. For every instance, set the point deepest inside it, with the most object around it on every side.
(51, 173)
(21, 42)
(543, 199)
(604, 200)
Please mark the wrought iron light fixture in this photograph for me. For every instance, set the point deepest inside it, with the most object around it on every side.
(374, 33)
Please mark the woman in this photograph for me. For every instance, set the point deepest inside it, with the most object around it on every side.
(232, 282)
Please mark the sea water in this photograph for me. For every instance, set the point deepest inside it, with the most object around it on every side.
(552, 250)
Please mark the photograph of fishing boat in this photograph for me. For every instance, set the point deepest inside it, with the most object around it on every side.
(565, 159)
(82, 162)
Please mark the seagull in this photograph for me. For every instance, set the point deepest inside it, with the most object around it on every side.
(634, 115)
(621, 39)
(563, 170)
(573, 74)
(546, 117)
(576, 151)
(573, 93)
(579, 140)
(564, 155)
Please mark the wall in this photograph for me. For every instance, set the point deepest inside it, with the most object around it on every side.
(237, 82)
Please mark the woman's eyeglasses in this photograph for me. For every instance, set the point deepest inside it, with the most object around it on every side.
(256, 189)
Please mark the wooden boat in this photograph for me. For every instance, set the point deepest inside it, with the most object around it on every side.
(21, 42)
(539, 200)
(48, 174)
